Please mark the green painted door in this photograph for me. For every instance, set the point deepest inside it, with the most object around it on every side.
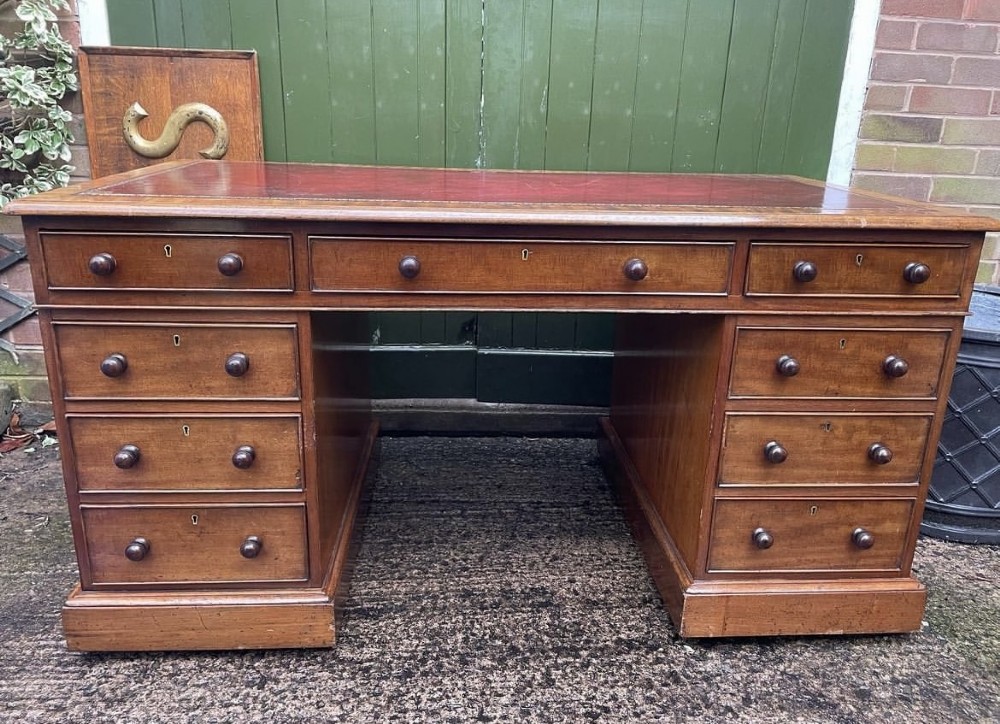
(738, 86)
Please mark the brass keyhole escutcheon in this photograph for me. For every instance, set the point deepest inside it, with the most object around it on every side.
(525, 253)
(843, 344)
(185, 430)
(826, 427)
(859, 259)
(813, 510)
(168, 250)
(177, 340)
(194, 519)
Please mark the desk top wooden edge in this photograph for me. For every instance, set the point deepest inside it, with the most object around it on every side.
(332, 192)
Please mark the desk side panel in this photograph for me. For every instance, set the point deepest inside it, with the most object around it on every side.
(663, 407)
(337, 448)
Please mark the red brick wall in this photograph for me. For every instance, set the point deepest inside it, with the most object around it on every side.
(931, 124)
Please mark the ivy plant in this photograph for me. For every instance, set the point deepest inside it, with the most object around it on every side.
(36, 72)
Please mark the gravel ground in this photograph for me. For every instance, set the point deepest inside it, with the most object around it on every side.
(496, 582)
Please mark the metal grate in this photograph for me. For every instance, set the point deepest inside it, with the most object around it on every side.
(963, 500)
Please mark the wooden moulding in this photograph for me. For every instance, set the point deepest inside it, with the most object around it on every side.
(704, 609)
(195, 620)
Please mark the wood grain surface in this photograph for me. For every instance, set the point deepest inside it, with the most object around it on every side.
(810, 534)
(231, 189)
(197, 544)
(178, 360)
(187, 452)
(518, 266)
(168, 261)
(828, 449)
(855, 269)
(161, 79)
(837, 363)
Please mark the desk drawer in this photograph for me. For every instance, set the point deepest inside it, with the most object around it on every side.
(837, 363)
(186, 452)
(784, 449)
(195, 544)
(183, 361)
(376, 265)
(167, 261)
(809, 535)
(878, 270)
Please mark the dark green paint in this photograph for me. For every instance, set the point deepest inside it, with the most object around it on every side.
(657, 84)
(170, 24)
(543, 378)
(463, 83)
(352, 82)
(255, 27)
(207, 23)
(571, 83)
(616, 62)
(408, 372)
(814, 107)
(702, 86)
(132, 22)
(745, 96)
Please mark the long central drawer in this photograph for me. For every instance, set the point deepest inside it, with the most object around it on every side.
(425, 265)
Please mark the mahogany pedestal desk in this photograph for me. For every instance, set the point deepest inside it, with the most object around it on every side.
(783, 356)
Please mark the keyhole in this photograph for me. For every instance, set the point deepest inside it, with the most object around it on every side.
(826, 427)
(813, 510)
(168, 250)
(525, 253)
(185, 431)
(177, 340)
(859, 259)
(194, 519)
(843, 344)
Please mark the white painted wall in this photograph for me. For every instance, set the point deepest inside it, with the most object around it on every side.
(93, 22)
(852, 92)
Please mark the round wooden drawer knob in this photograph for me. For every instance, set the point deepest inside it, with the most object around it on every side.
(251, 547)
(775, 453)
(137, 549)
(895, 366)
(230, 264)
(244, 456)
(114, 365)
(916, 273)
(762, 539)
(636, 269)
(102, 264)
(804, 271)
(862, 538)
(787, 366)
(127, 457)
(237, 365)
(879, 454)
(409, 267)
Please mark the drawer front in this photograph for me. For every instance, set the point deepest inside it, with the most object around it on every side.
(808, 535)
(877, 270)
(780, 449)
(837, 363)
(183, 453)
(195, 544)
(177, 361)
(167, 261)
(373, 265)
